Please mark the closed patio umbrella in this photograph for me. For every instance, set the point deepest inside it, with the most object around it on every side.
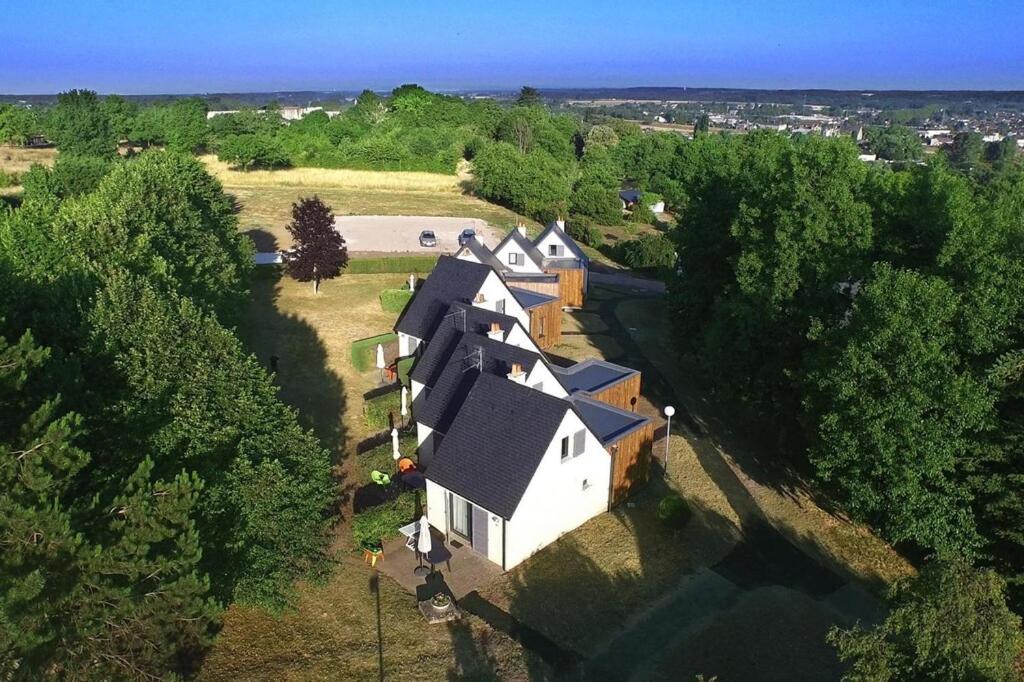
(405, 403)
(380, 360)
(394, 445)
(423, 543)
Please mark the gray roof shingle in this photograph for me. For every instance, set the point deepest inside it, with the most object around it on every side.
(451, 280)
(457, 320)
(471, 355)
(496, 443)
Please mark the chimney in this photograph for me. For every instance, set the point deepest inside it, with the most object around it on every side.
(517, 374)
(561, 223)
(521, 228)
(479, 298)
(495, 333)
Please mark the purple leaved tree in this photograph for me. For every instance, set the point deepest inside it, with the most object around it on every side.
(319, 251)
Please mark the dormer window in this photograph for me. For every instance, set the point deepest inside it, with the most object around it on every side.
(516, 258)
(553, 250)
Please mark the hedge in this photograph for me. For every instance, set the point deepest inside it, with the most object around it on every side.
(394, 300)
(363, 351)
(403, 264)
(376, 410)
(381, 523)
(404, 367)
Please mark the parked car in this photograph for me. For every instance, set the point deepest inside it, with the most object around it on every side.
(468, 234)
(428, 238)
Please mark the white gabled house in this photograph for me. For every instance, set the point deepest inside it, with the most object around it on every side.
(518, 469)
(454, 280)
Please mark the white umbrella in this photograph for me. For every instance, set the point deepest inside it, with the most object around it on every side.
(405, 403)
(380, 361)
(394, 444)
(412, 282)
(423, 542)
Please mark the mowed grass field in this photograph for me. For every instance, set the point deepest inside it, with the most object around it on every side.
(265, 198)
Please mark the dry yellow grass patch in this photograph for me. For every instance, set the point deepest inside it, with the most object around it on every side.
(316, 178)
(19, 159)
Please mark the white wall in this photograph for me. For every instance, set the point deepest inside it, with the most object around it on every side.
(552, 238)
(511, 247)
(466, 254)
(541, 374)
(494, 290)
(435, 506)
(555, 502)
(417, 388)
(407, 345)
(520, 338)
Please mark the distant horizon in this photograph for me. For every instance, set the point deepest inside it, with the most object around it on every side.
(515, 89)
(149, 48)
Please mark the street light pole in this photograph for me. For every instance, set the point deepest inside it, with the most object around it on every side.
(669, 411)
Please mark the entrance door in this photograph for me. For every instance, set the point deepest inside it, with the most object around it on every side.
(461, 517)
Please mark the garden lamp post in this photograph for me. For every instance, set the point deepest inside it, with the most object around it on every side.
(669, 411)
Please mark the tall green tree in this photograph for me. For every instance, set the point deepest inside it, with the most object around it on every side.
(895, 411)
(78, 124)
(895, 143)
(100, 588)
(948, 623)
(185, 127)
(529, 97)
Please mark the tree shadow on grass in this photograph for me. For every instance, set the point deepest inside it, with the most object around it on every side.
(292, 350)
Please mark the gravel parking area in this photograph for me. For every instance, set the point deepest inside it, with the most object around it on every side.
(401, 234)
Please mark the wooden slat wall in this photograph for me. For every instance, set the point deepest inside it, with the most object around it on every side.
(551, 313)
(570, 286)
(631, 462)
(547, 288)
(623, 395)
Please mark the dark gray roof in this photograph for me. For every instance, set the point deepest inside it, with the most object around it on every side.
(563, 263)
(451, 280)
(605, 421)
(512, 277)
(569, 241)
(630, 195)
(483, 254)
(528, 247)
(470, 356)
(494, 446)
(457, 320)
(530, 299)
(590, 375)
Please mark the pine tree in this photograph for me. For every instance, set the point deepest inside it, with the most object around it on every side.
(319, 251)
(88, 589)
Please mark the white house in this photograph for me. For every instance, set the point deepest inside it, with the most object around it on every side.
(517, 469)
(454, 280)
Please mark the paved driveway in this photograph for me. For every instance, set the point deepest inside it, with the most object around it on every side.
(401, 234)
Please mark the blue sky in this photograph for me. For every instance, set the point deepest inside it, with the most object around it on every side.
(141, 47)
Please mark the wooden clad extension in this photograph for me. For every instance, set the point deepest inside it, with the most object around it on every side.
(623, 394)
(546, 323)
(536, 285)
(570, 286)
(631, 462)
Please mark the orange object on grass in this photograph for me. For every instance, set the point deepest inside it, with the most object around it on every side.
(405, 464)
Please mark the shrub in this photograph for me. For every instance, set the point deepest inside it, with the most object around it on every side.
(599, 202)
(582, 229)
(8, 179)
(376, 410)
(404, 264)
(648, 251)
(394, 300)
(642, 214)
(363, 350)
(375, 525)
(673, 511)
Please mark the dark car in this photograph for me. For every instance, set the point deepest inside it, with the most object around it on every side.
(428, 238)
(467, 235)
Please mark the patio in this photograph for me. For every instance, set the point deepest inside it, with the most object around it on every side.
(456, 566)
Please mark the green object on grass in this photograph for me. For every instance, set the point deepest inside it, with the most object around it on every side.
(380, 478)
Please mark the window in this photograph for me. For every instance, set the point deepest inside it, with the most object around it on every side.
(579, 440)
(513, 258)
(552, 250)
(565, 448)
(462, 516)
(500, 306)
